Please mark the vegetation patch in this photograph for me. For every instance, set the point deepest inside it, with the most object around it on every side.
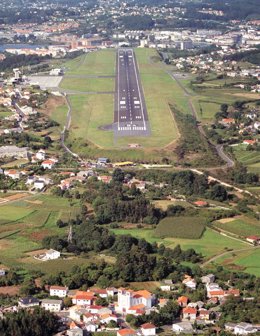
(180, 227)
(243, 226)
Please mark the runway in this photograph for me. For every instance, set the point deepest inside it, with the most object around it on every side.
(130, 113)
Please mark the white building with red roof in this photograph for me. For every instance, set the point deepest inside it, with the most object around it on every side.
(148, 329)
(59, 291)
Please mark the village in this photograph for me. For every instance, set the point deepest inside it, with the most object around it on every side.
(112, 309)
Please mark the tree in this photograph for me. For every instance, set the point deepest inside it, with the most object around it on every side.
(118, 175)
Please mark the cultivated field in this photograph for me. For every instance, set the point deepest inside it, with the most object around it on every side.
(180, 227)
(26, 222)
(211, 243)
(242, 226)
(246, 261)
(251, 159)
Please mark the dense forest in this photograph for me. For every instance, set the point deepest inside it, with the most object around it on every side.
(37, 322)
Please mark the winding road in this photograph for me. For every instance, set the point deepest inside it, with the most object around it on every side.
(219, 148)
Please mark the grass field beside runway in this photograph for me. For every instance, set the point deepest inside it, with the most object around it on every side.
(93, 63)
(89, 113)
(88, 84)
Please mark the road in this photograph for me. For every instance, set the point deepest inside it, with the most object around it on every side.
(130, 113)
(66, 128)
(219, 148)
(227, 253)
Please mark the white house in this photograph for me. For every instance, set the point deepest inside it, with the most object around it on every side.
(40, 155)
(91, 327)
(48, 255)
(244, 329)
(148, 329)
(13, 174)
(189, 282)
(52, 305)
(83, 298)
(39, 184)
(2, 272)
(182, 327)
(48, 164)
(59, 291)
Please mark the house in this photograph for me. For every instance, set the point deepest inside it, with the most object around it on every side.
(255, 240)
(131, 301)
(182, 328)
(91, 327)
(39, 185)
(227, 121)
(189, 282)
(249, 142)
(166, 285)
(59, 291)
(100, 292)
(28, 302)
(106, 318)
(31, 179)
(103, 160)
(189, 313)
(83, 298)
(13, 174)
(105, 178)
(52, 305)
(48, 255)
(112, 291)
(2, 272)
(183, 301)
(48, 164)
(126, 332)
(76, 314)
(229, 326)
(245, 329)
(163, 302)
(204, 314)
(94, 309)
(148, 329)
(40, 155)
(52, 254)
(209, 278)
(201, 204)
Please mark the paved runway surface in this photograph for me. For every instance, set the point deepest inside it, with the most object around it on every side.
(130, 114)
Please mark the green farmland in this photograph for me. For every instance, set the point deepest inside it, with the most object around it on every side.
(211, 243)
(243, 226)
(180, 227)
(25, 223)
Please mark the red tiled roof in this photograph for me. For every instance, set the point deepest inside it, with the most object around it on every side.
(148, 326)
(189, 310)
(124, 332)
(58, 287)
